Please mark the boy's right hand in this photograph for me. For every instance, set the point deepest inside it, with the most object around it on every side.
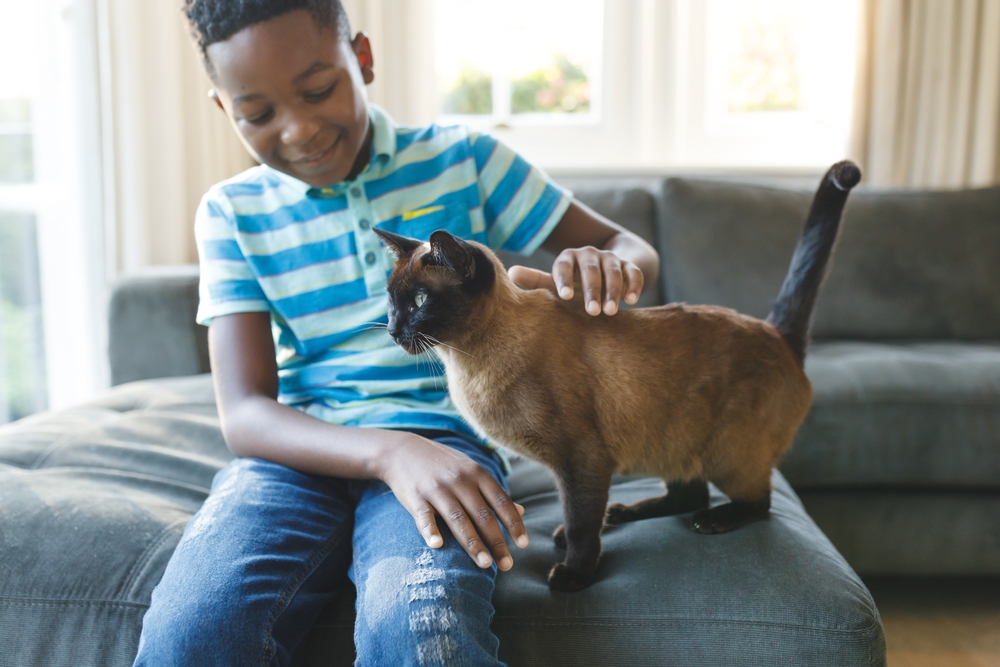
(429, 478)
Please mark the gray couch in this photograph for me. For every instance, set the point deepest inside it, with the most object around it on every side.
(899, 461)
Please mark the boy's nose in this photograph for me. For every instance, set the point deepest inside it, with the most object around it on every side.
(299, 131)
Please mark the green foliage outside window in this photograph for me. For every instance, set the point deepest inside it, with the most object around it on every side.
(472, 93)
(562, 87)
(16, 164)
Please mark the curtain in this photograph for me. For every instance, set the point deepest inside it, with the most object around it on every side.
(927, 105)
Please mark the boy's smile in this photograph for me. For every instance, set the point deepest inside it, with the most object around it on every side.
(295, 92)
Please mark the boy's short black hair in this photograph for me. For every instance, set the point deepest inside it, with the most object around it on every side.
(214, 21)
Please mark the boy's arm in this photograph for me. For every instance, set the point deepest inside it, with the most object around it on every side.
(425, 476)
(609, 261)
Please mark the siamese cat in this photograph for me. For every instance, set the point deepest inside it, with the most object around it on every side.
(691, 394)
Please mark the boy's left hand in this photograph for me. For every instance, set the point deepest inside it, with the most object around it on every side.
(603, 276)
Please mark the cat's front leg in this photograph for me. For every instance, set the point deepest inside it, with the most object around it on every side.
(584, 494)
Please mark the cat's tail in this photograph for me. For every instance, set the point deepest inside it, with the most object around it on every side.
(792, 311)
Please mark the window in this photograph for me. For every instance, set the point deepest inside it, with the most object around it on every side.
(592, 85)
(527, 61)
(22, 356)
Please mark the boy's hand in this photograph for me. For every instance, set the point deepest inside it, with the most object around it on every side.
(603, 276)
(429, 478)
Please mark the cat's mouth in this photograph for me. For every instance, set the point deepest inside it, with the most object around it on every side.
(415, 344)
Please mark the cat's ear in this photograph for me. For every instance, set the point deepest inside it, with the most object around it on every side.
(452, 253)
(400, 246)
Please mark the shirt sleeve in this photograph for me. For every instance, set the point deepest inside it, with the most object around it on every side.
(521, 204)
(227, 284)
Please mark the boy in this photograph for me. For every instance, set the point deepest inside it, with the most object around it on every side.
(350, 458)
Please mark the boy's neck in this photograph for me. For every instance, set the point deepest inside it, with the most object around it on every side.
(364, 155)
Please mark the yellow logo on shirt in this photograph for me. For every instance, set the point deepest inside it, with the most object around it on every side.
(410, 215)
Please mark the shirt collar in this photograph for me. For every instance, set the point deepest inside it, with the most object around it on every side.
(383, 148)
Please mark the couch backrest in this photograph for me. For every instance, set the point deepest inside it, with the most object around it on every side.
(908, 265)
(631, 207)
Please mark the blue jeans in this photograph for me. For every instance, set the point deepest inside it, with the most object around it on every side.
(271, 547)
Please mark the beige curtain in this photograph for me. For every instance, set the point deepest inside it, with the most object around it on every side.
(168, 142)
(927, 108)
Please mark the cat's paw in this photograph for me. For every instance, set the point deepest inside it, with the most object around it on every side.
(617, 514)
(706, 523)
(559, 537)
(562, 578)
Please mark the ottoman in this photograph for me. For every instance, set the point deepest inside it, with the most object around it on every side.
(93, 500)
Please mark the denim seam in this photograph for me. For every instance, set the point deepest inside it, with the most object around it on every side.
(125, 589)
(293, 585)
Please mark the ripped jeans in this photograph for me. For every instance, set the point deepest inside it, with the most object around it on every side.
(271, 547)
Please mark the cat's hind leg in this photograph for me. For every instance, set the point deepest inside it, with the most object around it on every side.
(584, 496)
(681, 498)
(750, 500)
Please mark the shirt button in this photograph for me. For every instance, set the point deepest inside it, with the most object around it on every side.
(370, 258)
(355, 191)
(365, 224)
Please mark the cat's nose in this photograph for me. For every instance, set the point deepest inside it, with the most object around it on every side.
(393, 329)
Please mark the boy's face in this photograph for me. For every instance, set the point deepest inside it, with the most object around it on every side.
(295, 92)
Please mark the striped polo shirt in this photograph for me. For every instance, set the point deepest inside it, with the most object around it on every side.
(270, 243)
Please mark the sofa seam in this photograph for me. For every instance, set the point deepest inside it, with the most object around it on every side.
(610, 622)
(55, 602)
(125, 588)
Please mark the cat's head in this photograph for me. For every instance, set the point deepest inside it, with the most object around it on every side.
(436, 288)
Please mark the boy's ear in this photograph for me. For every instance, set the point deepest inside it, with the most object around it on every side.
(215, 98)
(400, 246)
(452, 253)
(363, 51)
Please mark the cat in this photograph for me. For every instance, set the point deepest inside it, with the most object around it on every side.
(691, 394)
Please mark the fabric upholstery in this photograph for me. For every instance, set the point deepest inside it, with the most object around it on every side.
(911, 531)
(94, 500)
(152, 331)
(900, 415)
(908, 265)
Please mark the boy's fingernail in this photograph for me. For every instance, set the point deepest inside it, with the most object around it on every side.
(631, 298)
(565, 292)
(594, 308)
(520, 509)
(483, 559)
(506, 563)
(522, 541)
(610, 307)
(434, 541)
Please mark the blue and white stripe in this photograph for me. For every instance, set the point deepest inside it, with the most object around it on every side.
(308, 256)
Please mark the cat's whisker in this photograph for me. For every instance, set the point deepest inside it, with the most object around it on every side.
(450, 347)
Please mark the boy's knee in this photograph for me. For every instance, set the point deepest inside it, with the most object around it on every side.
(424, 604)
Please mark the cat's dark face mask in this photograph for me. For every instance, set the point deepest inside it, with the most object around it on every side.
(434, 289)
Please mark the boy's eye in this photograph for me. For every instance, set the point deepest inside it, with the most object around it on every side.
(419, 299)
(321, 95)
(260, 118)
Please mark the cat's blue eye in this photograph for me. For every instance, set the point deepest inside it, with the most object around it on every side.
(419, 299)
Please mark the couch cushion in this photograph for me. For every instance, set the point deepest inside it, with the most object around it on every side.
(94, 500)
(916, 265)
(906, 415)
(632, 207)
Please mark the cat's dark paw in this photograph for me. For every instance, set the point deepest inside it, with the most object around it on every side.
(617, 514)
(706, 523)
(724, 518)
(559, 537)
(562, 578)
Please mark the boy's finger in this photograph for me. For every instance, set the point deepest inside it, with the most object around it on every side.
(488, 530)
(461, 527)
(590, 275)
(424, 518)
(613, 280)
(634, 282)
(529, 278)
(563, 271)
(507, 511)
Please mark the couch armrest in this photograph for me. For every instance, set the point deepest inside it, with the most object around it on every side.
(152, 328)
